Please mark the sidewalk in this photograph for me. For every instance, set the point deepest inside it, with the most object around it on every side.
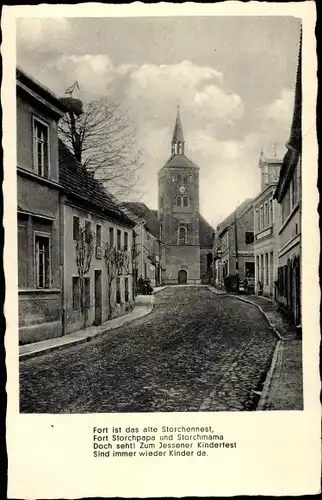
(143, 306)
(283, 386)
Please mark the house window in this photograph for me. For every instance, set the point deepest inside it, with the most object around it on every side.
(261, 217)
(126, 240)
(185, 201)
(179, 201)
(286, 205)
(190, 178)
(41, 148)
(266, 222)
(88, 231)
(118, 239)
(75, 228)
(266, 269)
(126, 289)
(76, 293)
(173, 178)
(111, 236)
(271, 214)
(98, 235)
(294, 193)
(42, 261)
(249, 237)
(179, 178)
(182, 235)
(87, 292)
(185, 179)
(257, 220)
(118, 290)
(262, 269)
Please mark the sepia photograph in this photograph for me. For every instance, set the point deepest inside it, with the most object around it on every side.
(159, 214)
(161, 250)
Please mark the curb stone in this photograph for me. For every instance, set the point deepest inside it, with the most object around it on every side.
(268, 381)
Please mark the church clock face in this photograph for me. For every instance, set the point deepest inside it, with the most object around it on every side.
(181, 189)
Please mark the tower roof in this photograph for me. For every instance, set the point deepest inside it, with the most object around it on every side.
(178, 131)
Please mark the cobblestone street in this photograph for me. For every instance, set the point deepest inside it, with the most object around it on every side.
(194, 352)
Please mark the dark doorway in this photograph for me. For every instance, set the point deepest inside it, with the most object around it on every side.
(182, 277)
(98, 297)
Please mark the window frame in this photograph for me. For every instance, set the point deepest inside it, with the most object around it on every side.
(118, 239)
(98, 232)
(36, 118)
(77, 279)
(76, 218)
(42, 234)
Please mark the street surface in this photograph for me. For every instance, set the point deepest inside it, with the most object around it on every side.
(195, 352)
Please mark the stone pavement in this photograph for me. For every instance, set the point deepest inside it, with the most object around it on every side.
(283, 387)
(143, 306)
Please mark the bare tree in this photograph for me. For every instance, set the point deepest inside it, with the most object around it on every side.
(103, 139)
(84, 254)
(116, 264)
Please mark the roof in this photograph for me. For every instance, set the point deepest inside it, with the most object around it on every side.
(39, 89)
(294, 144)
(140, 210)
(176, 160)
(178, 131)
(206, 232)
(81, 185)
(238, 213)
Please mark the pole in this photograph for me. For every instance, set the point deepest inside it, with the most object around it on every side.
(236, 244)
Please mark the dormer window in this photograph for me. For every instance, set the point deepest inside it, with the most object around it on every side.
(41, 147)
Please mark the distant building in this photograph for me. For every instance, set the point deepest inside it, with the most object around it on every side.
(147, 241)
(86, 206)
(38, 193)
(233, 245)
(266, 225)
(184, 246)
(288, 195)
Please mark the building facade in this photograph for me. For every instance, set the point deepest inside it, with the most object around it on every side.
(266, 225)
(147, 242)
(178, 188)
(288, 196)
(96, 231)
(38, 196)
(233, 246)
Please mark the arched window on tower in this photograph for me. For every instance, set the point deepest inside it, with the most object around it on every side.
(179, 201)
(184, 180)
(179, 178)
(185, 201)
(182, 235)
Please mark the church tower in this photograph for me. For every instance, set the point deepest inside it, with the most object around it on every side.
(179, 214)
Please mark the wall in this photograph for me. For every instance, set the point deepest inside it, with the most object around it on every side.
(73, 318)
(40, 309)
(25, 112)
(175, 258)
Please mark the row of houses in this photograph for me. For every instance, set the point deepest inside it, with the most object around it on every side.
(261, 239)
(79, 253)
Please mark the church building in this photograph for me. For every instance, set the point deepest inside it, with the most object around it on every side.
(185, 251)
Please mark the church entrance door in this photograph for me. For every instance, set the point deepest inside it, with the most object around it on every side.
(182, 277)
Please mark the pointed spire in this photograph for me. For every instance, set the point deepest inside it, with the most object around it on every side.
(177, 139)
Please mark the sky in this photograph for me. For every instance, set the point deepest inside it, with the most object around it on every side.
(233, 78)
